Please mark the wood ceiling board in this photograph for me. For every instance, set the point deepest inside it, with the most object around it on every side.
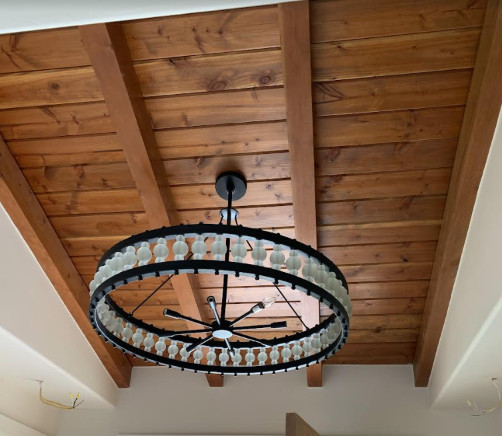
(387, 272)
(50, 121)
(173, 144)
(354, 19)
(382, 253)
(390, 93)
(402, 54)
(132, 223)
(186, 197)
(254, 167)
(378, 185)
(214, 32)
(30, 219)
(189, 75)
(478, 128)
(381, 322)
(381, 290)
(378, 233)
(364, 159)
(50, 87)
(226, 107)
(386, 209)
(42, 50)
(384, 127)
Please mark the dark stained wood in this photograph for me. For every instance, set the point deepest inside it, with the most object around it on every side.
(41, 50)
(265, 104)
(376, 210)
(49, 121)
(185, 197)
(378, 185)
(353, 19)
(294, 23)
(378, 233)
(478, 127)
(111, 60)
(296, 426)
(215, 32)
(387, 272)
(402, 54)
(41, 88)
(415, 155)
(411, 125)
(31, 221)
(389, 93)
(232, 71)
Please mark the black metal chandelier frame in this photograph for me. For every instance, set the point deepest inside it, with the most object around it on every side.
(332, 332)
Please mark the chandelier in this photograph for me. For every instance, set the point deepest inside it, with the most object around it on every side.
(225, 345)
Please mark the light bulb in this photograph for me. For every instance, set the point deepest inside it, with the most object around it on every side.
(268, 301)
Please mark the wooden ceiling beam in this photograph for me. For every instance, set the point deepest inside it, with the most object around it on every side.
(294, 25)
(111, 59)
(478, 128)
(25, 211)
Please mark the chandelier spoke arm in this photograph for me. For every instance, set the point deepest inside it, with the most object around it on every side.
(200, 342)
(176, 315)
(151, 294)
(212, 305)
(240, 318)
(263, 342)
(230, 348)
(291, 306)
(188, 332)
(273, 325)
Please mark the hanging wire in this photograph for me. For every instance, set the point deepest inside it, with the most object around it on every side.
(290, 305)
(74, 399)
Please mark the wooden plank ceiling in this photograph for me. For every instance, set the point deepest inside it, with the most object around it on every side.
(390, 81)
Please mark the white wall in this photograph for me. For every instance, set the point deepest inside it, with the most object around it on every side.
(20, 408)
(355, 400)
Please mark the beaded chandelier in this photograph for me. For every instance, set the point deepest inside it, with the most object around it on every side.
(223, 346)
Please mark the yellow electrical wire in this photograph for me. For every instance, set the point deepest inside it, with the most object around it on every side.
(52, 403)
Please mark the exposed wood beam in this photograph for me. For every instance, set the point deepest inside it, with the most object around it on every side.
(111, 59)
(296, 426)
(480, 119)
(25, 211)
(295, 42)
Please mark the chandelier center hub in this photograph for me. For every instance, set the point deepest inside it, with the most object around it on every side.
(222, 334)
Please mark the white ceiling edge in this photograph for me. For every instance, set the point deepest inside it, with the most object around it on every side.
(470, 351)
(10, 427)
(41, 338)
(25, 15)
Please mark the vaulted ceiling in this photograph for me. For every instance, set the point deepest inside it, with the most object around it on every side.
(88, 113)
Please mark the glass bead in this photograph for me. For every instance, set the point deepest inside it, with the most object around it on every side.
(286, 353)
(106, 271)
(316, 343)
(160, 251)
(149, 342)
(127, 332)
(322, 275)
(324, 339)
(137, 338)
(211, 356)
(160, 346)
(259, 254)
(173, 350)
(144, 254)
(184, 353)
(198, 355)
(223, 357)
(129, 259)
(117, 328)
(307, 346)
(309, 270)
(262, 357)
(274, 355)
(237, 358)
(297, 350)
(277, 257)
(239, 250)
(117, 263)
(218, 248)
(199, 248)
(293, 263)
(105, 317)
(331, 283)
(180, 248)
(249, 357)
